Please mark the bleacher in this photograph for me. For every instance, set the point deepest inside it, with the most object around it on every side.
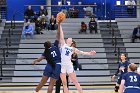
(96, 69)
(126, 26)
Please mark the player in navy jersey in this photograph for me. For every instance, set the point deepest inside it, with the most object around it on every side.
(122, 69)
(53, 67)
(130, 82)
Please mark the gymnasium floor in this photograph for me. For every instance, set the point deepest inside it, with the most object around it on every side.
(86, 89)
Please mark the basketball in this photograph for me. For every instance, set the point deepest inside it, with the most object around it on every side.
(61, 16)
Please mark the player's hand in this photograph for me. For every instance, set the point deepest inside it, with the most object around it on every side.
(73, 59)
(122, 69)
(34, 62)
(113, 78)
(59, 21)
(92, 52)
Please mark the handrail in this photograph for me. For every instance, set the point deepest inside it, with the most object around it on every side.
(1, 70)
(7, 47)
(13, 18)
(118, 55)
(113, 41)
(4, 56)
(9, 36)
(127, 5)
(13, 21)
(115, 46)
(59, 5)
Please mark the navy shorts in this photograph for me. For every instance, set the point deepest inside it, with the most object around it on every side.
(119, 79)
(52, 72)
(132, 90)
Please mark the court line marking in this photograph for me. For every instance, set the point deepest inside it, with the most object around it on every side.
(32, 89)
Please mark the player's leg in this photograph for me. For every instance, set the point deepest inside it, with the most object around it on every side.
(51, 84)
(118, 83)
(72, 76)
(42, 83)
(58, 85)
(45, 78)
(64, 82)
(56, 75)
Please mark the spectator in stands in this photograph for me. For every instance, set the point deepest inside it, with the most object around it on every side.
(29, 14)
(38, 26)
(92, 25)
(43, 11)
(52, 23)
(83, 28)
(136, 33)
(130, 7)
(122, 69)
(74, 57)
(28, 30)
(35, 16)
(88, 11)
(43, 21)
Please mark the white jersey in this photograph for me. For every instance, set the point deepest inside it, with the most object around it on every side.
(66, 53)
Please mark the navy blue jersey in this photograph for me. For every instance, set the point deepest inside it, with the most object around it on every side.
(124, 65)
(132, 79)
(55, 52)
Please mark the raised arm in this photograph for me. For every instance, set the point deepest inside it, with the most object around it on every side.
(84, 53)
(60, 34)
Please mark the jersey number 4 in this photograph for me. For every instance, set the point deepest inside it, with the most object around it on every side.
(133, 78)
(54, 54)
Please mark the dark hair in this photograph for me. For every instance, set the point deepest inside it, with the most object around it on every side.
(73, 43)
(133, 67)
(82, 22)
(124, 54)
(47, 53)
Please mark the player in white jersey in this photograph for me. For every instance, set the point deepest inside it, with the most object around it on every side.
(66, 64)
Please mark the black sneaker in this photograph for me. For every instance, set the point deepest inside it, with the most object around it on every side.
(116, 88)
(41, 32)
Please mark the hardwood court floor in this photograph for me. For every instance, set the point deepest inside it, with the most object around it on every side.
(87, 89)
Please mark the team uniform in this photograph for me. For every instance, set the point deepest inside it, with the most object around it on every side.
(124, 65)
(66, 64)
(132, 82)
(56, 55)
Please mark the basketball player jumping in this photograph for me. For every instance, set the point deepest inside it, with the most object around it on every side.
(66, 64)
(53, 67)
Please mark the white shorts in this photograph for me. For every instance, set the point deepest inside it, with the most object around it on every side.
(67, 68)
